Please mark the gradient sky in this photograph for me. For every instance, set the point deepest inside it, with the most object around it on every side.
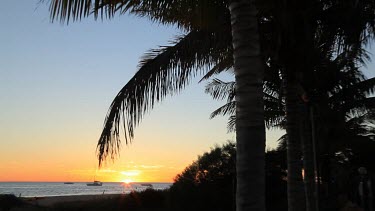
(56, 84)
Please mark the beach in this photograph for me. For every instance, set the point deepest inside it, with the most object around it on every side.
(148, 199)
(53, 200)
(60, 196)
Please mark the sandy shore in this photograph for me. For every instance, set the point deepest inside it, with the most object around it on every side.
(51, 200)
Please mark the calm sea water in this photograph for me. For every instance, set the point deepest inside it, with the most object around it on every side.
(37, 189)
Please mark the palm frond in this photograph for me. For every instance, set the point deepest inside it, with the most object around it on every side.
(274, 107)
(353, 95)
(275, 119)
(220, 90)
(362, 125)
(65, 10)
(358, 107)
(228, 108)
(162, 72)
(366, 86)
(231, 125)
(224, 65)
(187, 14)
(282, 146)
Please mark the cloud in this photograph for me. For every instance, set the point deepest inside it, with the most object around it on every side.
(151, 167)
(131, 173)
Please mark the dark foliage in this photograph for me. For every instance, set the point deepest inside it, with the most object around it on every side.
(276, 185)
(209, 183)
(11, 202)
(146, 200)
(8, 201)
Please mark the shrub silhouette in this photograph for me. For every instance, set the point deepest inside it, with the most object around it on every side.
(7, 201)
(209, 183)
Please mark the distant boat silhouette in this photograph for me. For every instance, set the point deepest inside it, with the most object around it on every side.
(68, 183)
(148, 185)
(95, 183)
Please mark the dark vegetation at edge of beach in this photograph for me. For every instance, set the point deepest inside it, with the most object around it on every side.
(206, 184)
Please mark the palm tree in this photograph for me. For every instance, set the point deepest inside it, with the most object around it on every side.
(341, 72)
(246, 53)
(302, 44)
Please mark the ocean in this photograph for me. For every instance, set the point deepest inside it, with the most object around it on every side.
(40, 189)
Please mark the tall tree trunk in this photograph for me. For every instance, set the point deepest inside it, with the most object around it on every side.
(250, 129)
(308, 157)
(296, 195)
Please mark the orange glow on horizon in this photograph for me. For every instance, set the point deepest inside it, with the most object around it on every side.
(127, 181)
(127, 173)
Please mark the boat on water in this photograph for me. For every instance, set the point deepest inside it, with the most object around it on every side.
(147, 185)
(95, 183)
(68, 183)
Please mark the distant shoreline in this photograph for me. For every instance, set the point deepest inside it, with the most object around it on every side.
(78, 182)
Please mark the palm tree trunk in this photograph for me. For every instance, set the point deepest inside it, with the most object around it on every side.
(296, 199)
(250, 129)
(308, 158)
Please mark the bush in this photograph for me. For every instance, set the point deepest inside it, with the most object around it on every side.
(8, 201)
(209, 183)
(136, 201)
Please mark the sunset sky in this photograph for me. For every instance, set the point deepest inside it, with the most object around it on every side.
(56, 84)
